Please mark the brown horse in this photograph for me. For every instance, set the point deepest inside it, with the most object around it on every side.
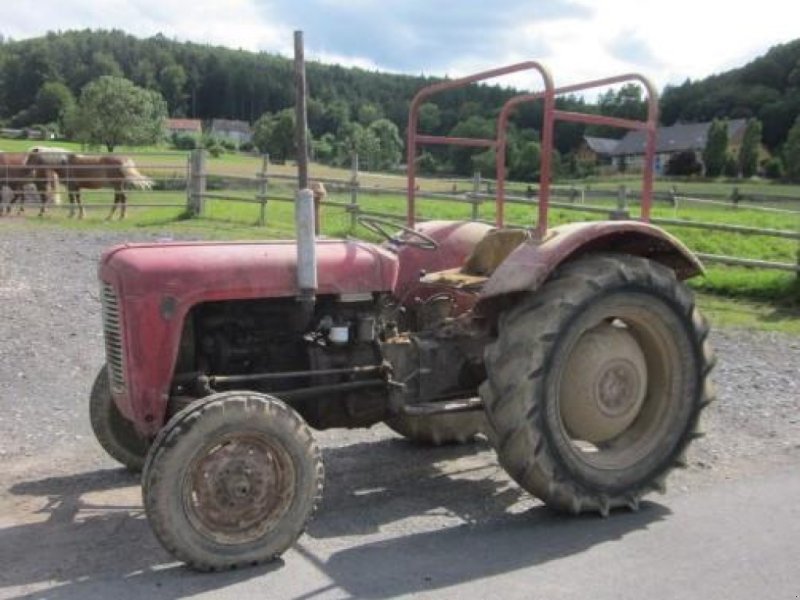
(15, 175)
(79, 171)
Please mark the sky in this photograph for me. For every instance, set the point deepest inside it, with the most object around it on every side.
(579, 40)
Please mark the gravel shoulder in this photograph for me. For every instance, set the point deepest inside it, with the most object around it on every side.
(56, 483)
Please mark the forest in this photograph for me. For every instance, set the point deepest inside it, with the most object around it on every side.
(41, 78)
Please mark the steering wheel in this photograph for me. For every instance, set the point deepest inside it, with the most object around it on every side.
(377, 226)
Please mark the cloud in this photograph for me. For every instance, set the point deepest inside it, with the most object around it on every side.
(629, 47)
(578, 39)
(416, 36)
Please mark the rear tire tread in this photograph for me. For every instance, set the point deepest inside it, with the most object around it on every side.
(512, 409)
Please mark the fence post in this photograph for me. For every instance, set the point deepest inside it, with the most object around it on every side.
(735, 196)
(353, 208)
(475, 196)
(621, 211)
(197, 182)
(263, 184)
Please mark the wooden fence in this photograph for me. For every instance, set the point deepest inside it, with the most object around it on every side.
(474, 194)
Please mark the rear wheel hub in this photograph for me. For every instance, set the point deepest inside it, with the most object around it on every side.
(604, 384)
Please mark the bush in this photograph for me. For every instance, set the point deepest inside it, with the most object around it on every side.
(213, 146)
(731, 166)
(173, 182)
(247, 147)
(426, 163)
(228, 145)
(684, 163)
(182, 141)
(773, 168)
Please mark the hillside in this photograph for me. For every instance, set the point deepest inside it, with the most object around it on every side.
(205, 81)
(216, 82)
(767, 88)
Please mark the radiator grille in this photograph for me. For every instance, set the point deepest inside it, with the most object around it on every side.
(115, 355)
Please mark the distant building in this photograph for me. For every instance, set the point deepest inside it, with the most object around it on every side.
(235, 131)
(596, 150)
(684, 137)
(184, 127)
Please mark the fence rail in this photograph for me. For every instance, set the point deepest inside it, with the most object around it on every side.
(190, 174)
(474, 196)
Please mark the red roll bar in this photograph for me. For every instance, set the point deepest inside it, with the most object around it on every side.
(414, 138)
(550, 115)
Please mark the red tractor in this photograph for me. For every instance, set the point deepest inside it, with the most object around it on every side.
(576, 349)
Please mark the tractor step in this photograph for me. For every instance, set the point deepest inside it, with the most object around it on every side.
(426, 409)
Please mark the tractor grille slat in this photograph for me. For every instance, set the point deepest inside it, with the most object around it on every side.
(115, 356)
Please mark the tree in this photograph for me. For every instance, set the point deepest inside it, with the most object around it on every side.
(262, 132)
(748, 154)
(104, 64)
(791, 152)
(426, 163)
(390, 146)
(473, 127)
(368, 147)
(773, 168)
(731, 168)
(716, 148)
(324, 149)
(485, 163)
(53, 101)
(113, 111)
(429, 117)
(525, 162)
(624, 103)
(368, 112)
(172, 79)
(274, 134)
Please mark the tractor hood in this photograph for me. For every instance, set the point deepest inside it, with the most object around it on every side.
(207, 271)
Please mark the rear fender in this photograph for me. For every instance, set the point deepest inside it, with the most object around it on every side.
(531, 263)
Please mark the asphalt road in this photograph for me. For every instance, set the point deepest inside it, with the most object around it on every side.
(396, 519)
(462, 532)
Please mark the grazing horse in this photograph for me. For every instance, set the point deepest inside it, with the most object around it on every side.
(57, 156)
(78, 171)
(16, 175)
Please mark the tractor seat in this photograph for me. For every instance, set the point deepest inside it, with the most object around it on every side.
(485, 257)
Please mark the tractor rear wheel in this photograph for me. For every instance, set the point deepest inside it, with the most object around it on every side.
(232, 481)
(438, 430)
(596, 382)
(114, 432)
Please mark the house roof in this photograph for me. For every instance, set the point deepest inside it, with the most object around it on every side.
(677, 138)
(184, 124)
(230, 125)
(601, 145)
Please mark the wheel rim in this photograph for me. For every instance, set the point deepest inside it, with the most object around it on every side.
(238, 489)
(627, 408)
(605, 391)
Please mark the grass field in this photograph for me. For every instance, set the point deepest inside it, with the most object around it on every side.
(736, 296)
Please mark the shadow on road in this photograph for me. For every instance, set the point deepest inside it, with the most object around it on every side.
(438, 559)
(89, 537)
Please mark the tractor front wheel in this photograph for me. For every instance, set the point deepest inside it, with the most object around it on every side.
(596, 382)
(114, 432)
(232, 481)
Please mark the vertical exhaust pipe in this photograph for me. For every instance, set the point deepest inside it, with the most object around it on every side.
(306, 245)
(305, 225)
